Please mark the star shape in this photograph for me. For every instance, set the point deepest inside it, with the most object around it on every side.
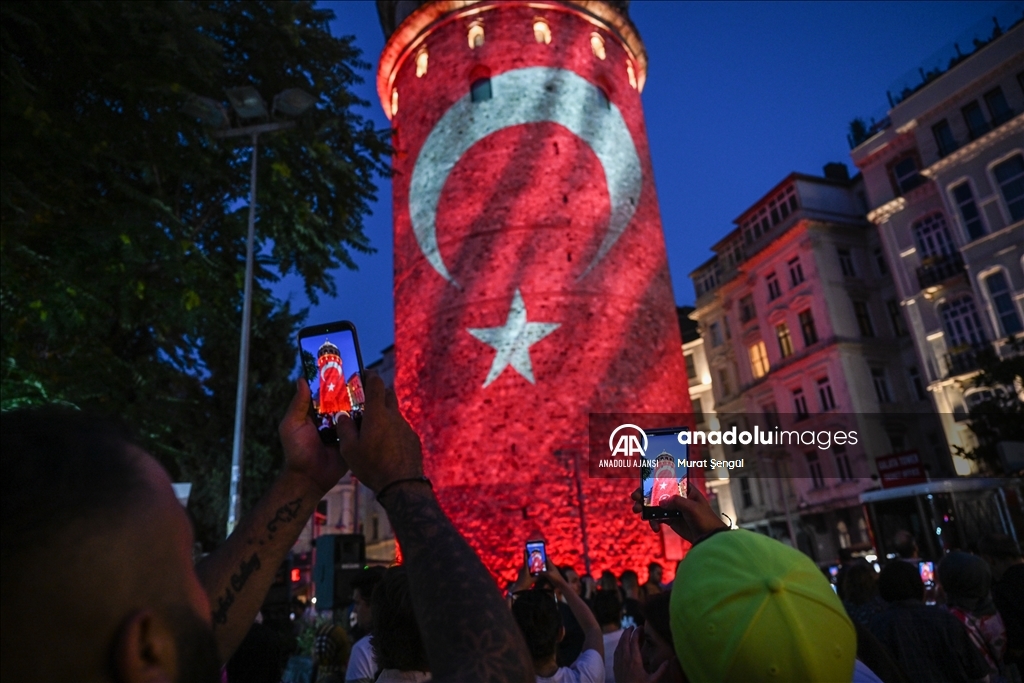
(330, 387)
(513, 341)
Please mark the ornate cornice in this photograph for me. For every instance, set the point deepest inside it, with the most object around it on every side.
(972, 149)
(886, 211)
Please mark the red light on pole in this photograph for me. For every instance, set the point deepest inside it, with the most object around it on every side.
(296, 575)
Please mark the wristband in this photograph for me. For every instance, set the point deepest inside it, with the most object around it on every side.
(384, 489)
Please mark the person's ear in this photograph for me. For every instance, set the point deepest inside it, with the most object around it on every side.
(146, 650)
(561, 634)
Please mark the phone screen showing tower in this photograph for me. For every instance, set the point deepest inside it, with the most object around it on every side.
(330, 364)
(663, 473)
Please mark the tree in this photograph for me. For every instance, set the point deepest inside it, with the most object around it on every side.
(998, 415)
(122, 220)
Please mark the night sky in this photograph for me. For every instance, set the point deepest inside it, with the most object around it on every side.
(738, 96)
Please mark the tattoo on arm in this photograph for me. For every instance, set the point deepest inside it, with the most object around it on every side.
(286, 513)
(237, 581)
(468, 630)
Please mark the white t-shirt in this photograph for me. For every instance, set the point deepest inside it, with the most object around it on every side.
(611, 641)
(588, 668)
(362, 665)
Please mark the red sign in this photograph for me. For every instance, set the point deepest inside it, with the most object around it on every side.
(900, 469)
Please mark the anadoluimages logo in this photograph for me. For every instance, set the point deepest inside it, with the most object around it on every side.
(631, 442)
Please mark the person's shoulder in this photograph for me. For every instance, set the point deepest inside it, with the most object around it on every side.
(588, 667)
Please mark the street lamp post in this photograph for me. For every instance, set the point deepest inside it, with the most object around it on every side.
(248, 106)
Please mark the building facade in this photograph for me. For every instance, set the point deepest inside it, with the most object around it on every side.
(802, 330)
(944, 181)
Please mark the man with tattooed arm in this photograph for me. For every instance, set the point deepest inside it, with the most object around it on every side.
(97, 552)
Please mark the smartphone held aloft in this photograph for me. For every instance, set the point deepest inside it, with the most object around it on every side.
(333, 367)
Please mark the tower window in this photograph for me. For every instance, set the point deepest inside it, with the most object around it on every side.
(476, 35)
(394, 102)
(421, 63)
(541, 31)
(631, 73)
(597, 45)
(480, 90)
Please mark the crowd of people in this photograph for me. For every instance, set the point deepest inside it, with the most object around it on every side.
(97, 558)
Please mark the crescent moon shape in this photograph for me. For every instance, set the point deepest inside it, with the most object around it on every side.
(529, 95)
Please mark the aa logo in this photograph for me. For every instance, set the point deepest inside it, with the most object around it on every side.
(629, 441)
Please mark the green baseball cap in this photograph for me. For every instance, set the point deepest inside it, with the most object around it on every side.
(747, 608)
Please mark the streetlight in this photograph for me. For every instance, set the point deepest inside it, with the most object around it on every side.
(249, 108)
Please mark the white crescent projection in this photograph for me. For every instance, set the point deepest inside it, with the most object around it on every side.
(529, 95)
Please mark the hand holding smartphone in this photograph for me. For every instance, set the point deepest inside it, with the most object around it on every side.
(536, 557)
(333, 367)
(663, 473)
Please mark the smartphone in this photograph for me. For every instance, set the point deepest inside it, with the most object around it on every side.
(663, 472)
(536, 557)
(833, 572)
(333, 367)
(927, 572)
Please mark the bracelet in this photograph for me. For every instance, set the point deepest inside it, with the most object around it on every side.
(396, 482)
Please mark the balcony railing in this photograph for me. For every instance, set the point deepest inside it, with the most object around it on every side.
(966, 359)
(939, 269)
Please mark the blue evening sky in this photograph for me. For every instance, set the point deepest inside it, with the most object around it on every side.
(738, 95)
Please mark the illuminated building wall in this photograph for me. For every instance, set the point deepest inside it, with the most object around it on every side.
(531, 280)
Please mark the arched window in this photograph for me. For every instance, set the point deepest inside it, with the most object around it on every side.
(631, 73)
(421, 63)
(394, 102)
(932, 237)
(597, 45)
(962, 323)
(476, 35)
(1002, 301)
(541, 31)
(480, 84)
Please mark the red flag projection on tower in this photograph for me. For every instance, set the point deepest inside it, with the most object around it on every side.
(531, 280)
(334, 396)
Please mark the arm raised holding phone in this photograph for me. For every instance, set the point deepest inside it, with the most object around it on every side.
(468, 632)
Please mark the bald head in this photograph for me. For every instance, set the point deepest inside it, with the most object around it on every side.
(93, 541)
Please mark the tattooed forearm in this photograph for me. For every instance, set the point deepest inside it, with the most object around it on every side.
(286, 513)
(468, 631)
(237, 581)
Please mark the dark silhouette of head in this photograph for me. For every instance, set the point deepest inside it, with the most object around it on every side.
(536, 613)
(900, 581)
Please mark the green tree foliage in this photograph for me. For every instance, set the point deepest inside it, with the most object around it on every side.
(122, 220)
(999, 415)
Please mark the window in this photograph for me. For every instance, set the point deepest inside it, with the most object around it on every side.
(932, 237)
(745, 493)
(771, 415)
(785, 340)
(944, 137)
(881, 382)
(998, 109)
(828, 401)
(905, 173)
(691, 367)
(975, 120)
(758, 359)
(422, 58)
(807, 328)
(1010, 176)
(883, 268)
(698, 411)
(796, 271)
(631, 74)
(915, 381)
(394, 102)
(964, 200)
(541, 31)
(846, 263)
(747, 311)
(597, 45)
(476, 35)
(897, 441)
(800, 404)
(723, 383)
(774, 290)
(480, 90)
(860, 310)
(1002, 302)
(725, 326)
(842, 463)
(962, 323)
(376, 528)
(899, 327)
(716, 334)
(736, 446)
(814, 467)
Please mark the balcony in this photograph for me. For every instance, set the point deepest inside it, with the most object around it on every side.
(938, 269)
(964, 359)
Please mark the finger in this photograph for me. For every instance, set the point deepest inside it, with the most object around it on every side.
(390, 399)
(298, 410)
(695, 494)
(348, 433)
(638, 508)
(638, 494)
(623, 646)
(677, 503)
(659, 672)
(655, 525)
(374, 390)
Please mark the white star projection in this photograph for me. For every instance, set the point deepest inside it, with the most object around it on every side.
(513, 341)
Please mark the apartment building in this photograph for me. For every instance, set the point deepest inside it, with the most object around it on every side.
(802, 329)
(944, 181)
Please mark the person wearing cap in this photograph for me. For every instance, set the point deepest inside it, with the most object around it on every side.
(967, 582)
(747, 608)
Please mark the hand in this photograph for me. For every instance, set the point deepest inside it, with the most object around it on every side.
(629, 664)
(384, 448)
(524, 581)
(698, 517)
(555, 577)
(304, 453)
